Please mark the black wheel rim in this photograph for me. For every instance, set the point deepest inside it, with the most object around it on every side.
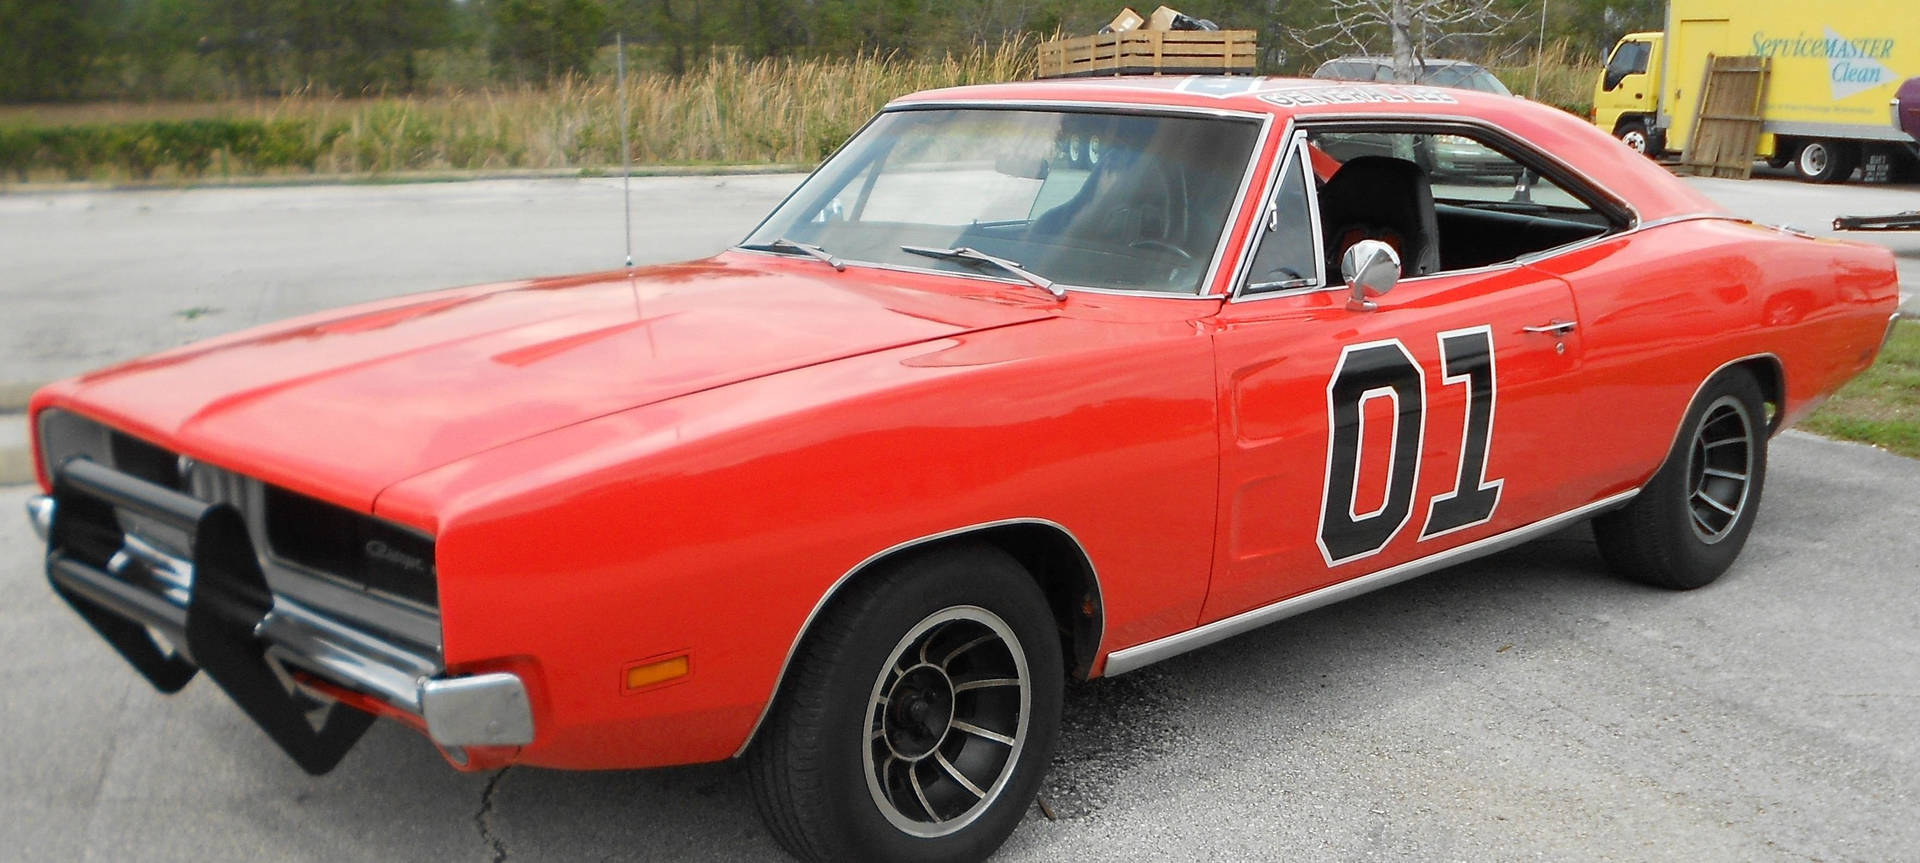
(1720, 469)
(946, 721)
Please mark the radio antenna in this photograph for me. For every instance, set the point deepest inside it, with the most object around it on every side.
(626, 152)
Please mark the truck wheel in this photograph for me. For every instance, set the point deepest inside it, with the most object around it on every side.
(1826, 161)
(1688, 524)
(918, 716)
(1785, 153)
(1637, 137)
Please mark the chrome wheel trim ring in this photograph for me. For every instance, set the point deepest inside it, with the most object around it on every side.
(874, 731)
(1720, 469)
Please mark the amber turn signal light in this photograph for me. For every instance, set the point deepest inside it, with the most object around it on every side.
(642, 676)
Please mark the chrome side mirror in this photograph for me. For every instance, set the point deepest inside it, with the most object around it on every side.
(1370, 268)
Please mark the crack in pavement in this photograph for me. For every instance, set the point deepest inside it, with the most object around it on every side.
(498, 845)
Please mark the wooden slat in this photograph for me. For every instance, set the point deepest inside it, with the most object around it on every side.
(1727, 122)
(1149, 52)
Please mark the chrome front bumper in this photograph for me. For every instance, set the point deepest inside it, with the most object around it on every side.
(172, 616)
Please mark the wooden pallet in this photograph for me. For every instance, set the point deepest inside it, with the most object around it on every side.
(1726, 126)
(1150, 52)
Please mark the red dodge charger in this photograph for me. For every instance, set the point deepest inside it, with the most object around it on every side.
(1026, 382)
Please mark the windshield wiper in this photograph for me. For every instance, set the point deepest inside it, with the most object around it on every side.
(785, 245)
(976, 256)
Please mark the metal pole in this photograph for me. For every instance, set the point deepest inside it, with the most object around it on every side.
(1539, 54)
(626, 152)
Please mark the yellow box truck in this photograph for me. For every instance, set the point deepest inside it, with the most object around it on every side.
(1836, 67)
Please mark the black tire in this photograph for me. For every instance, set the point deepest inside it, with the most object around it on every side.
(1785, 152)
(1638, 137)
(966, 619)
(1689, 523)
(1826, 161)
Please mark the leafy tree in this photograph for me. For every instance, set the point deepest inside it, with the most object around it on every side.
(546, 39)
(48, 48)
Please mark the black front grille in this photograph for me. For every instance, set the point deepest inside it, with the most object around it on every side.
(138, 458)
(356, 548)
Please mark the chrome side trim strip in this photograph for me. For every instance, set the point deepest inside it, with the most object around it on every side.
(1140, 655)
(840, 582)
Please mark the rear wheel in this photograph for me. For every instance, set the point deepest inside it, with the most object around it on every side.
(1826, 161)
(918, 716)
(1690, 522)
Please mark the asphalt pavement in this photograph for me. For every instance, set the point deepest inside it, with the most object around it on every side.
(1526, 706)
(1523, 707)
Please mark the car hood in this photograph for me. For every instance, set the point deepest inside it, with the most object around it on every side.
(343, 404)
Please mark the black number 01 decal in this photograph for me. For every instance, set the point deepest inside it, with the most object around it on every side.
(1386, 369)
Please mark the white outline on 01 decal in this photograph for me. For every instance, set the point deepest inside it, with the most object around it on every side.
(1326, 475)
(1466, 431)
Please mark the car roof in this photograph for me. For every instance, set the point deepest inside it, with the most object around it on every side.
(1388, 61)
(1649, 189)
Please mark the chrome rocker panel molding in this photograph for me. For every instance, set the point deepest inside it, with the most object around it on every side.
(1141, 655)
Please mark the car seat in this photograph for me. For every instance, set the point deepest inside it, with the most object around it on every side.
(1382, 198)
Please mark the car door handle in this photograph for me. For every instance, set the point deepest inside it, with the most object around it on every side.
(1556, 328)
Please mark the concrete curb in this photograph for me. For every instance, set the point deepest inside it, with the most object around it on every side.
(14, 396)
(403, 177)
(16, 459)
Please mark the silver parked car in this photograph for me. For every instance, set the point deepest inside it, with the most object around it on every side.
(1439, 73)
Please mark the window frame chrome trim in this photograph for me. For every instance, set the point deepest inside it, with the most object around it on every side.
(1222, 249)
(1296, 142)
(1502, 134)
(1301, 125)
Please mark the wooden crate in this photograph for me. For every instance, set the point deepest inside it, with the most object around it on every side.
(1150, 52)
(1726, 127)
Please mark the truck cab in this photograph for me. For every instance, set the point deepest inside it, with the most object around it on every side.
(1626, 99)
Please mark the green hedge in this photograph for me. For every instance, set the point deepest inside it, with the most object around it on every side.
(189, 147)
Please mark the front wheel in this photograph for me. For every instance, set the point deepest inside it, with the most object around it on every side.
(1689, 523)
(918, 716)
(1636, 135)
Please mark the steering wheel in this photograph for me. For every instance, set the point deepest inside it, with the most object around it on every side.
(1162, 245)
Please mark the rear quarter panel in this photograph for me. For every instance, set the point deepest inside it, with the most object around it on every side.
(714, 523)
(1661, 309)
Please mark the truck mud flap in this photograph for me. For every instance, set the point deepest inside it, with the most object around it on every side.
(207, 612)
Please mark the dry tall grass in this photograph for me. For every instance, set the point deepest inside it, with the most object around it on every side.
(730, 111)
(1561, 75)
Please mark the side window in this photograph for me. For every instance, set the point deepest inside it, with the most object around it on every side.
(1443, 200)
(1284, 257)
(1628, 59)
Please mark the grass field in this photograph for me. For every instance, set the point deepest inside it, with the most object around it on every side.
(728, 112)
(732, 112)
(1882, 405)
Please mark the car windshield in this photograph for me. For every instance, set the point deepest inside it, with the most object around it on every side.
(1467, 77)
(1104, 200)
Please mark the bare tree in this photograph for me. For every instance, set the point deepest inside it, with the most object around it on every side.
(1414, 27)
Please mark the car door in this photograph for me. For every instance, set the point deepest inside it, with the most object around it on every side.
(1356, 439)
